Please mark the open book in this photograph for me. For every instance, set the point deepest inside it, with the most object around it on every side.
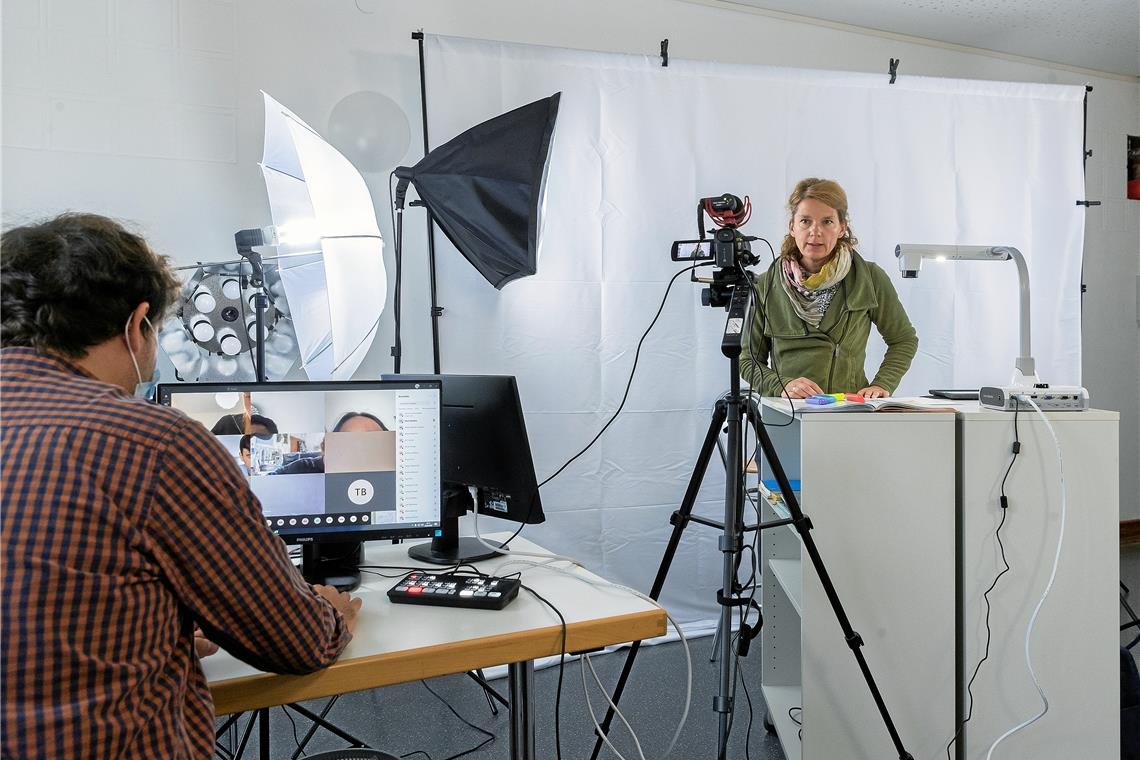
(879, 405)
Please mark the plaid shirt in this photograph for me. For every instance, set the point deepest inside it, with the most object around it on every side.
(124, 525)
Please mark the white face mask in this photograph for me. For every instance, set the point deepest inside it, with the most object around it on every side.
(145, 388)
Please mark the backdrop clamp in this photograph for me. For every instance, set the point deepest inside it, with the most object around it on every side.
(893, 70)
(665, 52)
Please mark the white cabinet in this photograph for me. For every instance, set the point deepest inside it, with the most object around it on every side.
(1075, 644)
(879, 489)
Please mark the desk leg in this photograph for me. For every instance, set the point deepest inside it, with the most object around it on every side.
(263, 733)
(520, 681)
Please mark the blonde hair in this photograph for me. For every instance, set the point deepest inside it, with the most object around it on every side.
(825, 191)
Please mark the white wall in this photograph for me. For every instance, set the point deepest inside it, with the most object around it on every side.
(149, 110)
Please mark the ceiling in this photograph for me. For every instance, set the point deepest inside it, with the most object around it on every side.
(1092, 34)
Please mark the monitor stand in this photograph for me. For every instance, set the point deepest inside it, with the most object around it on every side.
(449, 548)
(332, 564)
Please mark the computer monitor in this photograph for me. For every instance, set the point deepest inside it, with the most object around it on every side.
(332, 463)
(485, 446)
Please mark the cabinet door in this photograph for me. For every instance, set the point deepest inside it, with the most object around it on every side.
(1075, 645)
(880, 491)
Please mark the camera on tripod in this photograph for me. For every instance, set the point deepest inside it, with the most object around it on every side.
(728, 249)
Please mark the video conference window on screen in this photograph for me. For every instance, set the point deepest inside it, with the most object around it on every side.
(363, 459)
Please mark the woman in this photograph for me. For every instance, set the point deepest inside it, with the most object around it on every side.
(351, 422)
(816, 305)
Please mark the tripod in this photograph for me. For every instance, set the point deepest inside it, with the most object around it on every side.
(733, 411)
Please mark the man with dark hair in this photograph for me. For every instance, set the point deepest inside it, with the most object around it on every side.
(126, 525)
(245, 451)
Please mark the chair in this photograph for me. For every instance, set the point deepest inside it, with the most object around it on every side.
(353, 753)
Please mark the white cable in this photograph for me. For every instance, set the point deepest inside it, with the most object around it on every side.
(602, 583)
(688, 692)
(1048, 587)
(499, 550)
(583, 661)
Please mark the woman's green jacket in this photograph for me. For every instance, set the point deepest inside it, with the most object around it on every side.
(833, 354)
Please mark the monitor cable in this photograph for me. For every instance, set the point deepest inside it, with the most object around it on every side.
(603, 584)
(561, 671)
(585, 663)
(633, 370)
(688, 694)
(621, 405)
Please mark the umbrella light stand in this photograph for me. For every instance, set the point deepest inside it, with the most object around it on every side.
(245, 240)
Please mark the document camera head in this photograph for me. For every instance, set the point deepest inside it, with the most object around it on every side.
(910, 255)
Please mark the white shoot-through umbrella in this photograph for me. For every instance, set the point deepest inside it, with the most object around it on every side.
(329, 250)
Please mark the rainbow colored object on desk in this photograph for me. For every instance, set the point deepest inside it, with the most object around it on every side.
(821, 399)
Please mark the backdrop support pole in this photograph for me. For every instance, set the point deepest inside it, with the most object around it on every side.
(436, 310)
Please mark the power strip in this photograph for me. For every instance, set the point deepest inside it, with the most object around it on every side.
(1049, 398)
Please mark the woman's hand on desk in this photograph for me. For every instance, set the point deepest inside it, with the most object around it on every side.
(874, 391)
(344, 603)
(801, 387)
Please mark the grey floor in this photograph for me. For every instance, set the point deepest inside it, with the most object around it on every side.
(406, 718)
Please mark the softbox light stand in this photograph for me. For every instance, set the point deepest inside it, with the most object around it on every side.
(484, 189)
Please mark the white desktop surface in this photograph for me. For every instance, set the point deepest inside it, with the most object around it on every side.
(395, 643)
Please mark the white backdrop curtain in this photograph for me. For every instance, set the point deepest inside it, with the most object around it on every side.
(923, 161)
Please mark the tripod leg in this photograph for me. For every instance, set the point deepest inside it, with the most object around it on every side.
(679, 519)
(731, 544)
(715, 643)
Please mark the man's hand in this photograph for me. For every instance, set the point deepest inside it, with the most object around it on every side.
(346, 604)
(874, 391)
(203, 647)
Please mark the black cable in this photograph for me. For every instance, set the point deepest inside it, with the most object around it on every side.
(407, 569)
(296, 740)
(1004, 503)
(800, 722)
(561, 668)
(490, 736)
(756, 304)
(417, 752)
(748, 731)
(625, 396)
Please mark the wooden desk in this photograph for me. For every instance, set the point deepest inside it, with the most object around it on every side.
(399, 643)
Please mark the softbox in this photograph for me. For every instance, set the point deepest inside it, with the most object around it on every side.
(484, 188)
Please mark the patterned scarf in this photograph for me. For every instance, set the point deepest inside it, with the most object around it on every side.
(811, 295)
